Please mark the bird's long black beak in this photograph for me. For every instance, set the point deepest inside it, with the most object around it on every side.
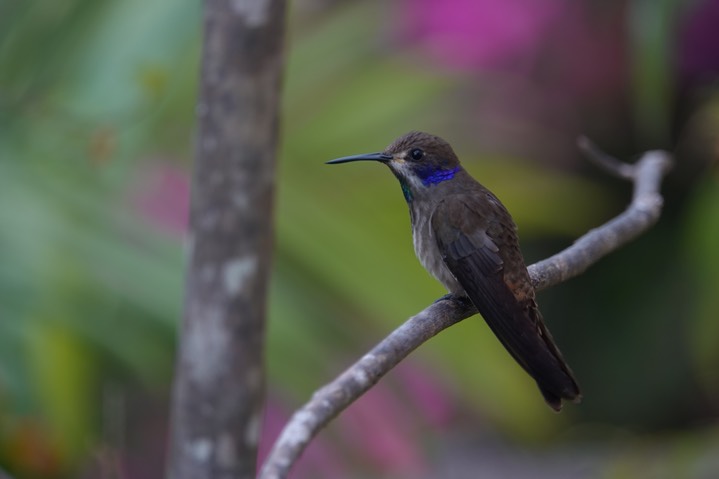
(381, 157)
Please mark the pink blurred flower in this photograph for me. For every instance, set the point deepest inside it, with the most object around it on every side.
(161, 197)
(431, 398)
(698, 55)
(480, 33)
(569, 47)
(319, 460)
(380, 433)
(382, 430)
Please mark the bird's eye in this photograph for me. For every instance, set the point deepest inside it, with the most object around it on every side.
(416, 154)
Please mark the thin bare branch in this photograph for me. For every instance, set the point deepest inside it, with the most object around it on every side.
(329, 401)
(640, 215)
(604, 160)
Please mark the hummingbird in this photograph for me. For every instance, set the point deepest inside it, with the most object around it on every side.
(465, 237)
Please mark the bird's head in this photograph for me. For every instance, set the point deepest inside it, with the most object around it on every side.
(420, 161)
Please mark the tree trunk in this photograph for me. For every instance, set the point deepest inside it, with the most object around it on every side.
(219, 376)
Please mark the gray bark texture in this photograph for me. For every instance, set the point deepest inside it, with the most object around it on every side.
(218, 390)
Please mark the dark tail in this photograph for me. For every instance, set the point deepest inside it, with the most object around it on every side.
(557, 384)
(554, 400)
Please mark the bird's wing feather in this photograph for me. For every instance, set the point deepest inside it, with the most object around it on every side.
(468, 242)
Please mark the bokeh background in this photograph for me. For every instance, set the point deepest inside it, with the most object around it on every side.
(96, 141)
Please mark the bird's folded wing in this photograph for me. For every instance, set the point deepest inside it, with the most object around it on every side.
(474, 258)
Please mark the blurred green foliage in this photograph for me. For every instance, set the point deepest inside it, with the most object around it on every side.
(96, 139)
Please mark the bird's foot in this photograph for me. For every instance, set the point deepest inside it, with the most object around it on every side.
(460, 298)
(446, 297)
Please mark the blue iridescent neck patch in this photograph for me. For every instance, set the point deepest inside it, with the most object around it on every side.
(433, 177)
